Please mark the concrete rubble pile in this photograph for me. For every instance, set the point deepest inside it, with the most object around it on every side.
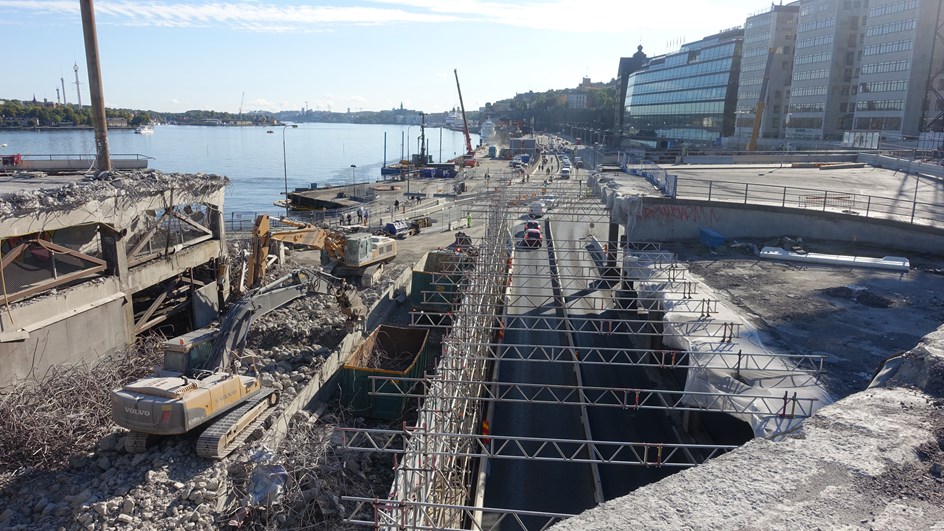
(108, 185)
(169, 487)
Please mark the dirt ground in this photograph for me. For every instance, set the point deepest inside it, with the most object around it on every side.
(855, 317)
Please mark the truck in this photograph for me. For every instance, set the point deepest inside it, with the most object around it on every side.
(201, 384)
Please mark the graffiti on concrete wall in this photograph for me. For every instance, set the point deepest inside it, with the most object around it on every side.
(686, 213)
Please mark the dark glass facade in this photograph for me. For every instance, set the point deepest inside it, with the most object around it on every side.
(687, 95)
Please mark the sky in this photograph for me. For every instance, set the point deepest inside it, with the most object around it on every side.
(339, 54)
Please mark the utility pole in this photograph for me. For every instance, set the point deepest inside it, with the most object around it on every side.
(102, 157)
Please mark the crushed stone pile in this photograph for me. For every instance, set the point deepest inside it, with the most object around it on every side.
(169, 487)
(111, 184)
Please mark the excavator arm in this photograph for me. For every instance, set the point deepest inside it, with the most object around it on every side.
(234, 328)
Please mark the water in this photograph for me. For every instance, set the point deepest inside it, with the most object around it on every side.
(250, 156)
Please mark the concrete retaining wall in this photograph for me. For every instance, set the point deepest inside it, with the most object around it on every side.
(664, 219)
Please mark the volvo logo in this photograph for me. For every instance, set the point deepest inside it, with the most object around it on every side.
(143, 412)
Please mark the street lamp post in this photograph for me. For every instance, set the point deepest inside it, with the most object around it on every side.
(353, 181)
(285, 162)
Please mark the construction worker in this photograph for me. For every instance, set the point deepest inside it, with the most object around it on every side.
(468, 220)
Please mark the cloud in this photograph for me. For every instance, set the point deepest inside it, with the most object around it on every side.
(568, 16)
(245, 16)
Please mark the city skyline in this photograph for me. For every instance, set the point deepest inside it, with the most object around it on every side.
(362, 55)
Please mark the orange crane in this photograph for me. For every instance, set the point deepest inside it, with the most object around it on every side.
(469, 152)
(761, 103)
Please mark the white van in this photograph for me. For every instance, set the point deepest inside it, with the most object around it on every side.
(536, 210)
(565, 173)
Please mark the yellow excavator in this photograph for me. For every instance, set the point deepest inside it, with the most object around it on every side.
(353, 255)
(201, 385)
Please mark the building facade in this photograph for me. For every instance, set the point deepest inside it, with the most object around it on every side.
(829, 34)
(766, 70)
(687, 95)
(901, 88)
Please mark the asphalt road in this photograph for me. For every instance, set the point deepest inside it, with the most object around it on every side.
(555, 486)
(529, 484)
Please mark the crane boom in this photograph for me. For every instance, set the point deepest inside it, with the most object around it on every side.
(761, 103)
(465, 122)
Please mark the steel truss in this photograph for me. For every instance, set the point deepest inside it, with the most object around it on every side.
(607, 326)
(433, 478)
(634, 453)
(401, 514)
(618, 397)
(722, 358)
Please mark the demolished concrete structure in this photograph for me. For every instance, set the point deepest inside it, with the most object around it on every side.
(89, 262)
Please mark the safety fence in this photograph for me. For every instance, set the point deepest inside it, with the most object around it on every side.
(844, 202)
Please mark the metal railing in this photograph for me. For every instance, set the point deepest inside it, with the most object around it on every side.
(869, 206)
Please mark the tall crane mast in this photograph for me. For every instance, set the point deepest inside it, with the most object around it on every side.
(465, 122)
(761, 103)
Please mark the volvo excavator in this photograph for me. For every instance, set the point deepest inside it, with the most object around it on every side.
(354, 256)
(201, 385)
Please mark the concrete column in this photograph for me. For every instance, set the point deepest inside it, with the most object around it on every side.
(217, 224)
(115, 254)
(612, 247)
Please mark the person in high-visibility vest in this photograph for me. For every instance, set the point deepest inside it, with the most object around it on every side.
(468, 220)
(486, 431)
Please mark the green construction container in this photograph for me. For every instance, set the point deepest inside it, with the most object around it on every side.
(389, 351)
(435, 277)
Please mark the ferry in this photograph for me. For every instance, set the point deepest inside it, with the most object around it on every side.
(144, 130)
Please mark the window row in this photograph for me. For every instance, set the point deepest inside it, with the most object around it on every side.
(812, 122)
(817, 24)
(891, 27)
(701, 107)
(751, 67)
(813, 7)
(758, 21)
(887, 66)
(816, 106)
(677, 84)
(889, 9)
(820, 40)
(760, 37)
(888, 47)
(813, 58)
(810, 91)
(717, 93)
(880, 105)
(703, 54)
(811, 74)
(691, 70)
(756, 52)
(884, 86)
(879, 123)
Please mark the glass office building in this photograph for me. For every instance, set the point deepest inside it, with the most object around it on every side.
(687, 95)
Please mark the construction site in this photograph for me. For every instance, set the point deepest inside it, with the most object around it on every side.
(668, 327)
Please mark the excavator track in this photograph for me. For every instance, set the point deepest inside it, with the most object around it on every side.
(137, 442)
(232, 429)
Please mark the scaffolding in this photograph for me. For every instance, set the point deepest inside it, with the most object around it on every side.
(583, 291)
(434, 476)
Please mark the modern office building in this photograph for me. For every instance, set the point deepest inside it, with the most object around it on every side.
(822, 102)
(687, 95)
(766, 71)
(627, 66)
(900, 88)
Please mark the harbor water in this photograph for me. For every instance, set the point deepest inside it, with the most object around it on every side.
(257, 161)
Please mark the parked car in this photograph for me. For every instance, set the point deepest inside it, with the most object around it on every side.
(531, 224)
(532, 238)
